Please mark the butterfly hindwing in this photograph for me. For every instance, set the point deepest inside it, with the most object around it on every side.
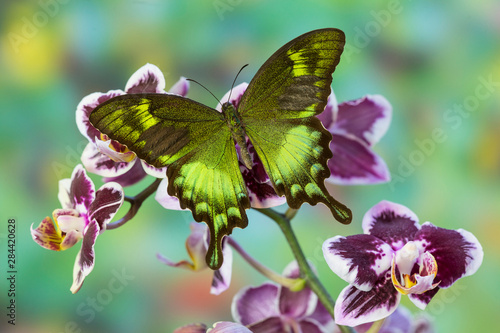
(278, 110)
(194, 142)
(208, 181)
(294, 155)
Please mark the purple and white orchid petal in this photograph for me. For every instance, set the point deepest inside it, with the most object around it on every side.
(421, 324)
(61, 212)
(393, 223)
(297, 304)
(406, 258)
(272, 325)
(421, 300)
(108, 199)
(323, 317)
(85, 259)
(132, 176)
(107, 148)
(235, 95)
(360, 260)
(458, 253)
(354, 163)
(260, 190)
(155, 172)
(400, 321)
(196, 246)
(329, 115)
(367, 118)
(47, 235)
(63, 194)
(222, 276)
(227, 327)
(355, 307)
(192, 328)
(292, 270)
(311, 326)
(85, 108)
(101, 164)
(70, 239)
(180, 88)
(254, 304)
(68, 223)
(179, 264)
(261, 195)
(163, 198)
(82, 190)
(147, 79)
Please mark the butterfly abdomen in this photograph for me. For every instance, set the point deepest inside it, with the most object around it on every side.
(237, 131)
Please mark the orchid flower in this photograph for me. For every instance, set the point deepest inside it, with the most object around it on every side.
(272, 308)
(356, 126)
(109, 158)
(197, 247)
(397, 256)
(219, 327)
(84, 215)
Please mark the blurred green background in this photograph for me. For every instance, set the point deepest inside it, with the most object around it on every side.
(428, 58)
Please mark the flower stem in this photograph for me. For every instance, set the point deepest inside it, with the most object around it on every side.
(313, 282)
(135, 203)
(293, 284)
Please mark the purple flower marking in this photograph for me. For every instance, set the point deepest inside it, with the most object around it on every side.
(396, 256)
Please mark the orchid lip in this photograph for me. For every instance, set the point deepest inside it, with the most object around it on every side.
(413, 283)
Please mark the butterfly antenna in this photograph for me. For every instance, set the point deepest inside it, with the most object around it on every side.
(231, 91)
(205, 89)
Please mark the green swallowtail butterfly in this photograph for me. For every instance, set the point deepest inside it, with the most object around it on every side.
(197, 143)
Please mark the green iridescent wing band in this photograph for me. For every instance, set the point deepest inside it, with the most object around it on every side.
(278, 110)
(195, 143)
(208, 181)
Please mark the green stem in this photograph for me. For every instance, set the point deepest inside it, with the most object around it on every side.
(293, 284)
(135, 204)
(312, 280)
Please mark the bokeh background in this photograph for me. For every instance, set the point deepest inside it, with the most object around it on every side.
(429, 59)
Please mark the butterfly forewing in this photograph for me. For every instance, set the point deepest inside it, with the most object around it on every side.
(194, 142)
(159, 128)
(295, 81)
(278, 110)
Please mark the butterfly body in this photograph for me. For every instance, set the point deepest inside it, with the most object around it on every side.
(238, 133)
(197, 143)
